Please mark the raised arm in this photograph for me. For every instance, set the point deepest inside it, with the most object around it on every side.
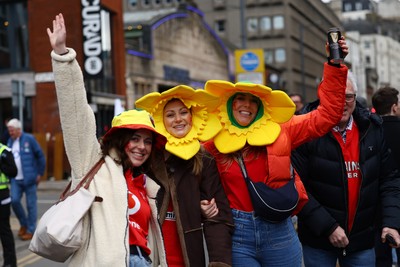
(58, 36)
(77, 118)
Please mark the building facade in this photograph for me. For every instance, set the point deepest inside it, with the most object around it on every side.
(27, 88)
(292, 34)
(169, 43)
(372, 30)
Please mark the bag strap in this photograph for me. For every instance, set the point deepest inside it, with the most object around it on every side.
(85, 182)
(244, 170)
(242, 166)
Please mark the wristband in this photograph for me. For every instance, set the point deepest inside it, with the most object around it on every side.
(64, 53)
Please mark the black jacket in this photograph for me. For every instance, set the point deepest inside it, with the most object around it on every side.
(391, 128)
(8, 167)
(7, 163)
(321, 167)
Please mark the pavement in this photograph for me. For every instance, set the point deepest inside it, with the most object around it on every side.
(53, 185)
(44, 186)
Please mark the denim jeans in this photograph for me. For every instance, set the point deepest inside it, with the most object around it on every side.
(328, 258)
(259, 243)
(138, 261)
(384, 254)
(17, 189)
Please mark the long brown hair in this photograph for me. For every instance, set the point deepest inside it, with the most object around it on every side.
(198, 162)
(116, 142)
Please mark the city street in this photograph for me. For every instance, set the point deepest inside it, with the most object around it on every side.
(48, 193)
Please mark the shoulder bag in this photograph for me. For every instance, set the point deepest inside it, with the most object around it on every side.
(271, 204)
(59, 231)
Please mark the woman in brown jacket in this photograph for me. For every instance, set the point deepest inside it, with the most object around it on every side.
(187, 174)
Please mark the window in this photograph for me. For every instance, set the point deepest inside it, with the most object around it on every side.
(252, 25)
(265, 23)
(220, 26)
(367, 44)
(14, 51)
(137, 40)
(278, 22)
(347, 7)
(157, 2)
(359, 6)
(145, 3)
(133, 3)
(367, 60)
(280, 55)
(104, 115)
(268, 56)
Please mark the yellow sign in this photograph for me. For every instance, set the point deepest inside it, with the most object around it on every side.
(250, 61)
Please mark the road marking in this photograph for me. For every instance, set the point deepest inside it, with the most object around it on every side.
(29, 259)
(49, 201)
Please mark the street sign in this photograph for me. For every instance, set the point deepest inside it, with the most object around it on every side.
(249, 61)
(250, 65)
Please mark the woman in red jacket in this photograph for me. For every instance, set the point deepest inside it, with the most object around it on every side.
(258, 123)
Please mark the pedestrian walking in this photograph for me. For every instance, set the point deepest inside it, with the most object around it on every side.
(31, 164)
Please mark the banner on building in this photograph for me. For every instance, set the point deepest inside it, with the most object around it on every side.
(92, 45)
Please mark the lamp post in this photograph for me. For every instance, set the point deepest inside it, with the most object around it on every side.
(242, 24)
(18, 99)
(302, 71)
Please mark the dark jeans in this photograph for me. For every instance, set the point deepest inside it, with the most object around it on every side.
(383, 253)
(314, 257)
(26, 219)
(6, 236)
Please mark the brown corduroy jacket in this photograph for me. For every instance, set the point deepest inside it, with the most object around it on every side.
(179, 185)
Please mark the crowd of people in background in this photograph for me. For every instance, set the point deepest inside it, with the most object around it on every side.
(173, 185)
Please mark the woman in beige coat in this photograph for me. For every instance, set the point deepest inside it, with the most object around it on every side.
(118, 233)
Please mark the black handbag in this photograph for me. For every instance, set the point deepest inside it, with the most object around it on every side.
(271, 204)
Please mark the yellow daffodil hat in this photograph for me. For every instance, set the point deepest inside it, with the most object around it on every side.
(276, 108)
(205, 125)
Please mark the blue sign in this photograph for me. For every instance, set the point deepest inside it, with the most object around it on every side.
(249, 61)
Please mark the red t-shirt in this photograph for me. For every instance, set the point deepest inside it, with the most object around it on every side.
(233, 181)
(350, 151)
(138, 210)
(172, 244)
